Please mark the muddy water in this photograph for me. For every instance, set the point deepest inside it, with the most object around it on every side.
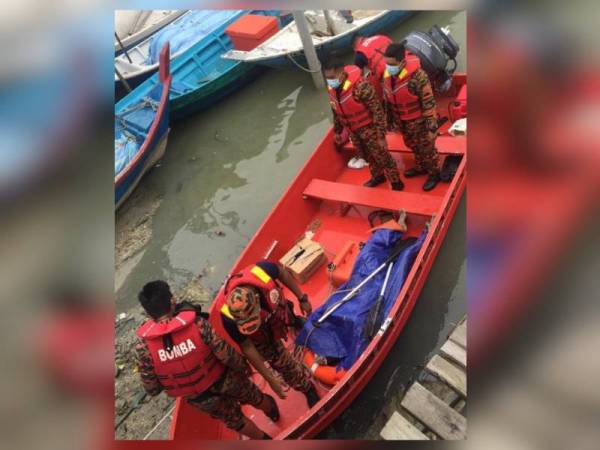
(224, 170)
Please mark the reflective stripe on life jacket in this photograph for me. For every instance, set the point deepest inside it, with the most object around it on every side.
(275, 314)
(374, 48)
(352, 114)
(403, 104)
(188, 367)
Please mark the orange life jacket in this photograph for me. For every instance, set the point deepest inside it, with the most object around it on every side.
(403, 104)
(189, 367)
(352, 114)
(275, 314)
(374, 48)
(327, 374)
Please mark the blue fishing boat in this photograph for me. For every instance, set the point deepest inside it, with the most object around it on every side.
(201, 77)
(332, 32)
(141, 131)
(192, 28)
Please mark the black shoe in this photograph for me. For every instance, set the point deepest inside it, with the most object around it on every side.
(432, 181)
(312, 397)
(273, 413)
(397, 186)
(375, 181)
(449, 167)
(413, 172)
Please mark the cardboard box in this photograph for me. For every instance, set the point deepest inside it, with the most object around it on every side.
(303, 259)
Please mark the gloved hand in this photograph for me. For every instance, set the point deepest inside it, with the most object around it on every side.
(305, 305)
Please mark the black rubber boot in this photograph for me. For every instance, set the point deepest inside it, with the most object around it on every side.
(397, 186)
(449, 167)
(432, 181)
(312, 397)
(375, 181)
(413, 172)
(273, 413)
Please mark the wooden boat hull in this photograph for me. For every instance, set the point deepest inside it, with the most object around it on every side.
(154, 154)
(189, 91)
(135, 38)
(336, 45)
(320, 194)
(213, 92)
(154, 145)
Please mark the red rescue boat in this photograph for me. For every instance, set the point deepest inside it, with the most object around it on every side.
(326, 192)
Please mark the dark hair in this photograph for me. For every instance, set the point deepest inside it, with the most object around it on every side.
(332, 63)
(395, 51)
(155, 298)
(360, 60)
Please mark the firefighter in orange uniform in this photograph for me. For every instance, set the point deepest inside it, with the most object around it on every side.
(256, 316)
(411, 108)
(356, 107)
(179, 353)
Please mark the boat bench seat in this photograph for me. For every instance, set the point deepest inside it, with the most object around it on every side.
(445, 145)
(421, 204)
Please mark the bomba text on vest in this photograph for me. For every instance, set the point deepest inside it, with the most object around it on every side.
(177, 351)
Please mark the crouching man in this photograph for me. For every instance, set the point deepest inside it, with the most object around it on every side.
(179, 353)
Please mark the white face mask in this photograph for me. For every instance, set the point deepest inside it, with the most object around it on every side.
(333, 83)
(392, 70)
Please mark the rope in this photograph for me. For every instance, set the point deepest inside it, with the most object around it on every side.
(146, 101)
(301, 66)
(158, 424)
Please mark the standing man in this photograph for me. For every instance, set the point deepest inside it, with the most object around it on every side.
(369, 58)
(411, 107)
(256, 316)
(179, 353)
(356, 107)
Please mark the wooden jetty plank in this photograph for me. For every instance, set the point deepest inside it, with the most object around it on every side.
(455, 352)
(451, 374)
(459, 335)
(434, 413)
(400, 429)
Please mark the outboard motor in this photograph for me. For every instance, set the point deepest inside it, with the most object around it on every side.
(435, 49)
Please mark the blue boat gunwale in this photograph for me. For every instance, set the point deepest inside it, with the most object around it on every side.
(187, 57)
(166, 79)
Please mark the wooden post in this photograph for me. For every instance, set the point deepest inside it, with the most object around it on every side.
(330, 24)
(123, 80)
(122, 47)
(309, 49)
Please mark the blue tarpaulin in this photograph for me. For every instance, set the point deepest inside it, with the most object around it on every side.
(132, 127)
(341, 335)
(190, 29)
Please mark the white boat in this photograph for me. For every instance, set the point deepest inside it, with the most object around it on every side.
(330, 33)
(133, 26)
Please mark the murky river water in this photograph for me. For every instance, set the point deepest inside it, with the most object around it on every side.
(224, 170)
